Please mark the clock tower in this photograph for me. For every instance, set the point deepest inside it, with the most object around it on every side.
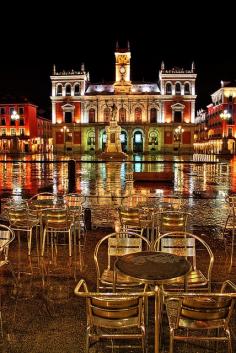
(122, 83)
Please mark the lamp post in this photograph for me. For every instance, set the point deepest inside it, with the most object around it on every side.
(15, 116)
(64, 130)
(178, 135)
(225, 116)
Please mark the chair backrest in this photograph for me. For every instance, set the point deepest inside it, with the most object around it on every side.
(129, 216)
(74, 200)
(214, 309)
(184, 244)
(6, 237)
(18, 215)
(44, 196)
(118, 244)
(113, 310)
(173, 221)
(53, 217)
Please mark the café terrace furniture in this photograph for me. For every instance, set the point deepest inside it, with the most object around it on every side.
(6, 237)
(187, 245)
(56, 221)
(230, 225)
(136, 219)
(115, 245)
(153, 268)
(21, 220)
(201, 317)
(114, 316)
(75, 205)
(172, 221)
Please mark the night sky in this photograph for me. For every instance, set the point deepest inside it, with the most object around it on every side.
(174, 37)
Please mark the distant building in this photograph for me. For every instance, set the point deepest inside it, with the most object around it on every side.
(154, 116)
(215, 131)
(21, 129)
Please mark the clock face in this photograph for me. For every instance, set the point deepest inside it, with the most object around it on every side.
(122, 69)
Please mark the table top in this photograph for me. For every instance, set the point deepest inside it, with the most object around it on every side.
(156, 267)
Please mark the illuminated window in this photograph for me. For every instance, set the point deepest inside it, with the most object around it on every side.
(122, 138)
(13, 132)
(153, 115)
(138, 138)
(91, 115)
(22, 132)
(104, 138)
(106, 115)
(122, 115)
(3, 132)
(138, 115)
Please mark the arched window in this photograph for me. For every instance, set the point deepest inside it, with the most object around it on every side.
(59, 90)
(138, 115)
(68, 90)
(153, 115)
(106, 115)
(186, 88)
(177, 88)
(77, 90)
(122, 115)
(168, 88)
(91, 115)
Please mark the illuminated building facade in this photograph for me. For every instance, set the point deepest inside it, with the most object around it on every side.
(215, 130)
(21, 129)
(155, 117)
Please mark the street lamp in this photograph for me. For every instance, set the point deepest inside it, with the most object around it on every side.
(15, 116)
(64, 130)
(178, 135)
(225, 115)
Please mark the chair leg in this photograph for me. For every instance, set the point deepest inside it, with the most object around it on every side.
(30, 241)
(171, 341)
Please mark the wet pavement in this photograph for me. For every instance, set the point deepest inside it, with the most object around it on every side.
(43, 314)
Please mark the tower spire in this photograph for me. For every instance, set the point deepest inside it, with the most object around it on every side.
(162, 65)
(117, 45)
(54, 69)
(128, 45)
(193, 66)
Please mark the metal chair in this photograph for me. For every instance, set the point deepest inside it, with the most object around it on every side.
(21, 220)
(114, 316)
(74, 204)
(57, 221)
(201, 317)
(111, 246)
(230, 225)
(6, 237)
(184, 244)
(170, 221)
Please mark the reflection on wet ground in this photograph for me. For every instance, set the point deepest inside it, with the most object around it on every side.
(42, 314)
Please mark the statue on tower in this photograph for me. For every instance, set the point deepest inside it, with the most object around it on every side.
(113, 112)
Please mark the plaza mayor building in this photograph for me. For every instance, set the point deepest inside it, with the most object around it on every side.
(154, 117)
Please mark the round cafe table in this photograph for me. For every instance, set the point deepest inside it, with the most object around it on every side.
(154, 268)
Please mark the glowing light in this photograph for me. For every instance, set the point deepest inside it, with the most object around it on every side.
(15, 116)
(225, 115)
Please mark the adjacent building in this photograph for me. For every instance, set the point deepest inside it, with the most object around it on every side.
(21, 129)
(155, 117)
(215, 131)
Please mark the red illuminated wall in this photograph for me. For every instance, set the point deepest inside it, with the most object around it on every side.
(77, 137)
(168, 138)
(186, 138)
(59, 137)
